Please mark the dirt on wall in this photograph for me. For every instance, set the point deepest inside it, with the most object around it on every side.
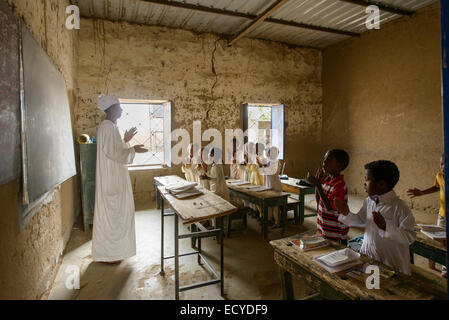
(382, 100)
(204, 78)
(29, 259)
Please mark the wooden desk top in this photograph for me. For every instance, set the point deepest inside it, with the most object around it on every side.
(198, 208)
(422, 285)
(292, 182)
(166, 180)
(422, 238)
(268, 194)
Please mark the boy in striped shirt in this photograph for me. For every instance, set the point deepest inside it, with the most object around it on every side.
(329, 185)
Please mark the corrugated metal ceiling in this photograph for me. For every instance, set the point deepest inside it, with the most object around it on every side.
(333, 14)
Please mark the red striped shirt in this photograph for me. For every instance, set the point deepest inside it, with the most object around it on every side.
(327, 220)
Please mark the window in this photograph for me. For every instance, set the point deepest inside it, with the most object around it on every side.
(265, 124)
(153, 122)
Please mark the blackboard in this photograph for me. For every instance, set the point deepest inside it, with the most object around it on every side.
(47, 140)
(10, 164)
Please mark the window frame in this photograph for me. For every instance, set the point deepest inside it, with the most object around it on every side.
(167, 128)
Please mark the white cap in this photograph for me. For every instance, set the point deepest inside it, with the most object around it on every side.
(105, 102)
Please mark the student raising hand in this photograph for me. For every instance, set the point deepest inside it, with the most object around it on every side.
(316, 179)
(341, 206)
(379, 220)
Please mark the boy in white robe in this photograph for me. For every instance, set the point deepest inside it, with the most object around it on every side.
(113, 237)
(271, 173)
(201, 170)
(215, 173)
(188, 166)
(389, 223)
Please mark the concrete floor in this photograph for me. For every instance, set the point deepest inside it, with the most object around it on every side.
(250, 271)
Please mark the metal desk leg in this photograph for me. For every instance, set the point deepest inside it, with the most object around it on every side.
(222, 256)
(412, 256)
(301, 208)
(176, 259)
(162, 238)
(265, 222)
(158, 198)
(199, 251)
(193, 239)
(283, 218)
(287, 286)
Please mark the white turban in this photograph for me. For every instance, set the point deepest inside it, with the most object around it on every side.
(105, 102)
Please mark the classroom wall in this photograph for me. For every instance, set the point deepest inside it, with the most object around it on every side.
(382, 100)
(205, 80)
(29, 259)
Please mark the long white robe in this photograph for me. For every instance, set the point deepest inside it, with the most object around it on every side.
(273, 182)
(217, 181)
(114, 236)
(391, 246)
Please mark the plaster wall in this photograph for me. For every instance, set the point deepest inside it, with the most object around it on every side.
(29, 259)
(382, 100)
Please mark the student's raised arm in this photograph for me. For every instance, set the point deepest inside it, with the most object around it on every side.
(347, 217)
(401, 227)
(415, 192)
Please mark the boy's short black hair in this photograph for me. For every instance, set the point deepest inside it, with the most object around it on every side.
(384, 170)
(341, 156)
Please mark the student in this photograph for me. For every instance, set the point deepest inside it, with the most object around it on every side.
(236, 168)
(271, 173)
(389, 223)
(330, 184)
(201, 170)
(254, 150)
(253, 166)
(215, 173)
(437, 186)
(188, 166)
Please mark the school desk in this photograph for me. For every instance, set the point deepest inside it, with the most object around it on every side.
(426, 247)
(289, 185)
(294, 262)
(192, 211)
(163, 181)
(264, 199)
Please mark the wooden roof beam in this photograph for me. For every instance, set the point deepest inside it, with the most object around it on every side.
(237, 14)
(263, 16)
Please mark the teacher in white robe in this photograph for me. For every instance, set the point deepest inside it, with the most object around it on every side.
(114, 236)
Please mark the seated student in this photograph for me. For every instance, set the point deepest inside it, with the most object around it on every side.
(253, 166)
(437, 186)
(201, 170)
(389, 223)
(330, 184)
(236, 168)
(188, 166)
(271, 173)
(215, 172)
(255, 152)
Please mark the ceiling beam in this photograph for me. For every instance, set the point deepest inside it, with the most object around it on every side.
(263, 16)
(382, 6)
(250, 16)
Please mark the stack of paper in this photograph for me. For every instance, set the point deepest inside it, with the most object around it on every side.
(432, 231)
(180, 187)
(339, 260)
(183, 189)
(308, 243)
(258, 188)
(239, 182)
